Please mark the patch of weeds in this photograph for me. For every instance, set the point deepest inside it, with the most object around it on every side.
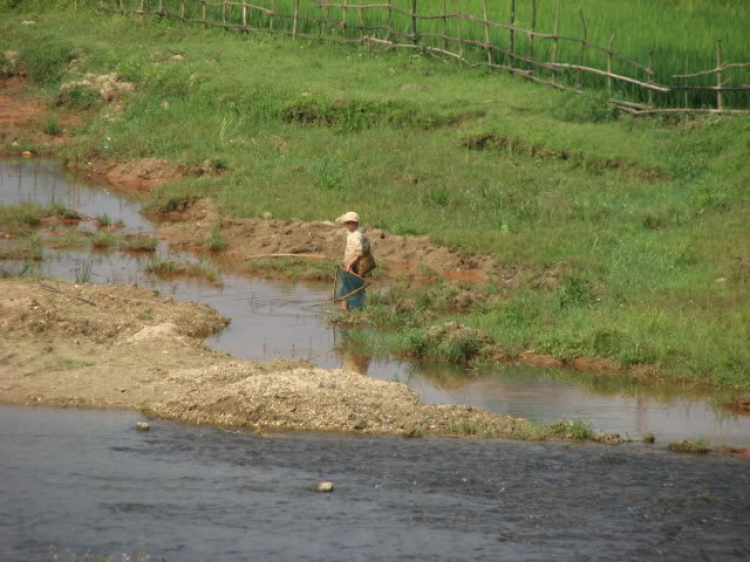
(138, 243)
(81, 98)
(699, 447)
(172, 204)
(51, 126)
(20, 219)
(293, 268)
(62, 212)
(103, 239)
(103, 220)
(575, 291)
(586, 108)
(26, 249)
(567, 429)
(218, 163)
(68, 239)
(329, 175)
(353, 116)
(45, 59)
(216, 241)
(464, 427)
(440, 197)
(84, 271)
(168, 268)
(144, 316)
(428, 272)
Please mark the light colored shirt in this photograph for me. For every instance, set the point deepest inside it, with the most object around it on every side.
(357, 245)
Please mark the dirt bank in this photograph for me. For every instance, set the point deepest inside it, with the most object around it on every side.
(254, 237)
(138, 349)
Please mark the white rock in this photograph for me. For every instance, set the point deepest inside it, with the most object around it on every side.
(142, 426)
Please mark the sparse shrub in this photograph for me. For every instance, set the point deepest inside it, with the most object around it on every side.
(45, 58)
(216, 241)
(51, 126)
(103, 220)
(139, 243)
(103, 239)
(79, 97)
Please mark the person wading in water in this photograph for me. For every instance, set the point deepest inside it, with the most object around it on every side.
(358, 258)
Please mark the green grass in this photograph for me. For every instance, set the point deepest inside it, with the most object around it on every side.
(216, 241)
(103, 239)
(138, 243)
(52, 126)
(672, 32)
(625, 238)
(103, 220)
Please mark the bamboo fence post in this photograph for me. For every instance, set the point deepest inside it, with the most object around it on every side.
(531, 37)
(143, 7)
(487, 44)
(719, 75)
(512, 33)
(583, 51)
(224, 13)
(345, 13)
(272, 22)
(324, 23)
(361, 22)
(182, 9)
(203, 14)
(610, 47)
(686, 83)
(295, 25)
(122, 9)
(460, 27)
(650, 77)
(556, 33)
(161, 7)
(415, 38)
(445, 25)
(244, 18)
(389, 36)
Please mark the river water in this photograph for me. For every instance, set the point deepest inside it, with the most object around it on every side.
(85, 481)
(282, 319)
(88, 481)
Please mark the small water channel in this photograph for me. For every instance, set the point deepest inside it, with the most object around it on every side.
(281, 319)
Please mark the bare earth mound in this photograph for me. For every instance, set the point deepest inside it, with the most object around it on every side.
(138, 349)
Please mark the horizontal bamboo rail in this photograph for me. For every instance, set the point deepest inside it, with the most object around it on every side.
(327, 28)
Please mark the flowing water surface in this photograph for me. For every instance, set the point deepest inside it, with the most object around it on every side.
(84, 480)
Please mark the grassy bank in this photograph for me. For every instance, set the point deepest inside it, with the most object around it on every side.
(631, 235)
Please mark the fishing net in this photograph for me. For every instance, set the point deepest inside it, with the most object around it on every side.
(349, 287)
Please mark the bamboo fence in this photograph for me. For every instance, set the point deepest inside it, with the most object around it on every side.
(468, 39)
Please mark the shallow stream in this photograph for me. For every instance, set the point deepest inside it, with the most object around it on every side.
(281, 319)
(76, 484)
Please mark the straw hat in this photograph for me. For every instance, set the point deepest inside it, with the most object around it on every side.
(351, 216)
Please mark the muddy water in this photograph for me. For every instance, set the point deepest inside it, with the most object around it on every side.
(287, 320)
(83, 480)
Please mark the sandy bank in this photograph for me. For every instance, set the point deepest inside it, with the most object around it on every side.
(138, 349)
